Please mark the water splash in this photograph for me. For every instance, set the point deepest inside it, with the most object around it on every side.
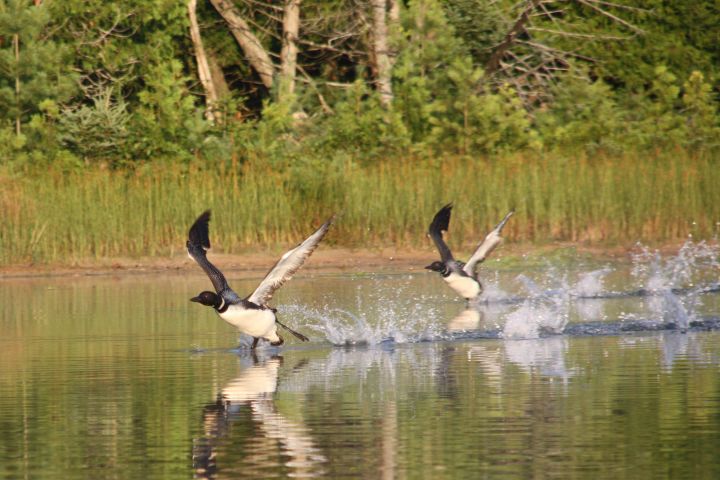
(544, 312)
(661, 293)
(402, 317)
(376, 319)
(341, 327)
(590, 284)
(530, 286)
(665, 279)
(535, 318)
(493, 293)
(590, 309)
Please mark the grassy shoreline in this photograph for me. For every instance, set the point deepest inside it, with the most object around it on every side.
(61, 218)
(332, 260)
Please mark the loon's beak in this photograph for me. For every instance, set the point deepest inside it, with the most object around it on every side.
(429, 267)
(195, 299)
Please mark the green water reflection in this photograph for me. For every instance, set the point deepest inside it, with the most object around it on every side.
(123, 378)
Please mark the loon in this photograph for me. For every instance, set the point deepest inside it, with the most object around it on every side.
(251, 315)
(461, 276)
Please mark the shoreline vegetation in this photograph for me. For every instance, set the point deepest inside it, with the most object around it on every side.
(598, 122)
(63, 219)
(332, 260)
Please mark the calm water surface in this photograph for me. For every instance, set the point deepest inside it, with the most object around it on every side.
(125, 378)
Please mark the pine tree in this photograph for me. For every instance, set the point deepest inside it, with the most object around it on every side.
(32, 69)
(700, 112)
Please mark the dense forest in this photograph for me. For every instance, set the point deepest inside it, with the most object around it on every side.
(310, 102)
(122, 83)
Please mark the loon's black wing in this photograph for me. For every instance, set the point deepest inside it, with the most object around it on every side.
(440, 224)
(197, 245)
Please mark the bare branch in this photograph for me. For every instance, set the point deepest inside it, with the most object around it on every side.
(308, 80)
(555, 51)
(265, 5)
(551, 14)
(325, 46)
(611, 16)
(591, 36)
(339, 85)
(520, 25)
(621, 6)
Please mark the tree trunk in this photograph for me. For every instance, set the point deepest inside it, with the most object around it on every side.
(211, 96)
(218, 76)
(16, 49)
(393, 26)
(251, 46)
(394, 12)
(381, 51)
(288, 54)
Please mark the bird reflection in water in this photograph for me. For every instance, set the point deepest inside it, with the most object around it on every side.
(269, 442)
(544, 356)
(479, 316)
(468, 319)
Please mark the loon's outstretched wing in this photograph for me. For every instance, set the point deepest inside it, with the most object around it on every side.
(288, 264)
(491, 241)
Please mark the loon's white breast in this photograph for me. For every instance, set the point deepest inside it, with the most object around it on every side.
(254, 322)
(467, 287)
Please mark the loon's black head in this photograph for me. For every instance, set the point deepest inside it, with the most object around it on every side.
(436, 266)
(211, 299)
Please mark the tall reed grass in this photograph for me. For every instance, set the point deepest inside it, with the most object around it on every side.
(60, 217)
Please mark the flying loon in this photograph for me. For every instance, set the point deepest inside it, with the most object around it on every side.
(461, 276)
(251, 315)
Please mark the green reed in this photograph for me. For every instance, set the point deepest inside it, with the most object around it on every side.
(60, 217)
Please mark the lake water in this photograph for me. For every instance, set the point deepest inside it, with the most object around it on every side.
(575, 371)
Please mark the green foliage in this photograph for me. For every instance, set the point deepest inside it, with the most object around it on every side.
(167, 120)
(679, 34)
(427, 47)
(653, 89)
(440, 94)
(360, 126)
(467, 120)
(592, 115)
(655, 120)
(12, 146)
(272, 137)
(413, 99)
(97, 132)
(479, 24)
(32, 69)
(700, 112)
(582, 113)
(115, 44)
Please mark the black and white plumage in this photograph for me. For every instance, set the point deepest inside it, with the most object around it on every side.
(251, 315)
(460, 276)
